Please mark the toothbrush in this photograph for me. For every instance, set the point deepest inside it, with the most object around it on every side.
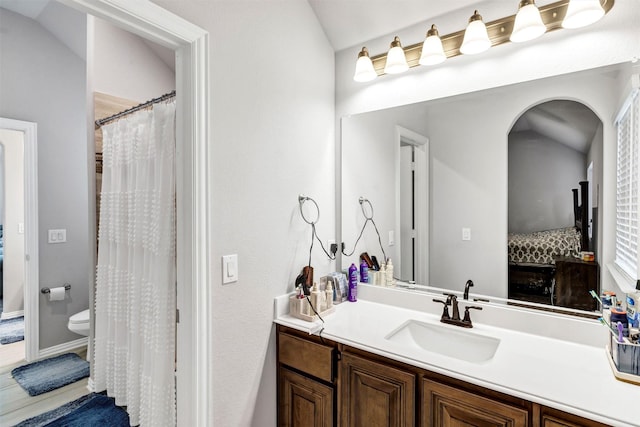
(595, 296)
(605, 323)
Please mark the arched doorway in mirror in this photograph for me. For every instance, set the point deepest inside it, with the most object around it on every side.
(554, 180)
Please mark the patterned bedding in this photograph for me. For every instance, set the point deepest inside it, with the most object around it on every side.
(541, 247)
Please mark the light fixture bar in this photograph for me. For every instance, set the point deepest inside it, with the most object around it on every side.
(499, 32)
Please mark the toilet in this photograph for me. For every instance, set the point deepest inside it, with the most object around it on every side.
(79, 323)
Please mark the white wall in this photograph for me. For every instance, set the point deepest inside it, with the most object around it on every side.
(13, 256)
(125, 66)
(368, 170)
(272, 121)
(542, 173)
(43, 81)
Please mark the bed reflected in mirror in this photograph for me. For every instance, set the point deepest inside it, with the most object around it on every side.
(555, 163)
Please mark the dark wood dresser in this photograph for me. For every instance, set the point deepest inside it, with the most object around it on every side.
(574, 279)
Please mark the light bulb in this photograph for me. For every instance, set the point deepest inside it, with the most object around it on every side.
(581, 13)
(432, 51)
(528, 24)
(364, 67)
(396, 60)
(476, 39)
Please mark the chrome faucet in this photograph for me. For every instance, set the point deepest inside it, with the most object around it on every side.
(452, 300)
(468, 285)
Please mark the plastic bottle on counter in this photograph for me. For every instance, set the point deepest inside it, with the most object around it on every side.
(383, 274)
(364, 271)
(353, 283)
(633, 301)
(389, 273)
(620, 315)
(328, 291)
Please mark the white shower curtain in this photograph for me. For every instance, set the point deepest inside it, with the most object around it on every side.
(136, 273)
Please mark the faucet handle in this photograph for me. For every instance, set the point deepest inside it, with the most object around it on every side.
(467, 316)
(445, 311)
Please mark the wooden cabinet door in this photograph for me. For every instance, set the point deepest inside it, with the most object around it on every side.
(554, 418)
(303, 402)
(375, 394)
(446, 406)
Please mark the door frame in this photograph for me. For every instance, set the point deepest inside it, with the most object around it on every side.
(31, 271)
(421, 144)
(193, 352)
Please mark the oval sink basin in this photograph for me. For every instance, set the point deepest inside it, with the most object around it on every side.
(447, 340)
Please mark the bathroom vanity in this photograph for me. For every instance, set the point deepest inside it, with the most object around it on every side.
(370, 367)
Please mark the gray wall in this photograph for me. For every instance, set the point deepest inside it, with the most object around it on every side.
(43, 81)
(542, 173)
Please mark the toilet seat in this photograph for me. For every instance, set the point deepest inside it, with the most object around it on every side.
(79, 323)
(82, 317)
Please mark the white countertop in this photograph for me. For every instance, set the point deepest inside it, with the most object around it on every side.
(560, 373)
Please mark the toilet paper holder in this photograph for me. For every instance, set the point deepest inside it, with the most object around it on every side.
(47, 290)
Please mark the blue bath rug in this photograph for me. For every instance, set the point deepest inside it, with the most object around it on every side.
(11, 330)
(90, 410)
(49, 374)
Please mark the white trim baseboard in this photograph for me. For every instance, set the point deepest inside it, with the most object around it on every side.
(63, 348)
(11, 314)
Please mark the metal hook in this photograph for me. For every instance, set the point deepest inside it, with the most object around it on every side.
(301, 200)
(362, 200)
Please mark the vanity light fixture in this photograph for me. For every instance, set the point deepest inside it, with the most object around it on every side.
(476, 38)
(396, 60)
(364, 67)
(528, 24)
(432, 51)
(581, 13)
(554, 16)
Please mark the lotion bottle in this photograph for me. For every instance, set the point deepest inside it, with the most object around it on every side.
(389, 273)
(316, 299)
(383, 275)
(328, 291)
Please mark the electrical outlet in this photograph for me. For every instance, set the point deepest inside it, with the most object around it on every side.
(333, 247)
(58, 236)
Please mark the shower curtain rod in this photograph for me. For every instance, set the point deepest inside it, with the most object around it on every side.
(164, 97)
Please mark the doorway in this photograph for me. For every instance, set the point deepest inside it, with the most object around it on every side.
(20, 229)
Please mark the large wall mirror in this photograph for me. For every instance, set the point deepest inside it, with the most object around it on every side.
(465, 197)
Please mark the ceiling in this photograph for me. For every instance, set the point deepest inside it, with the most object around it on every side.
(347, 23)
(68, 26)
(567, 122)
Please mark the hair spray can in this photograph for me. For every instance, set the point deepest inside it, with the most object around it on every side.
(353, 283)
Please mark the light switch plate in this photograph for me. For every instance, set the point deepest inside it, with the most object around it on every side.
(229, 269)
(466, 234)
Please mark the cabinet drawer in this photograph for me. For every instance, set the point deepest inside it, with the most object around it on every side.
(308, 357)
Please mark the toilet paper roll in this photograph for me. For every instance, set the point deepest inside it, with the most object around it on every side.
(57, 294)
